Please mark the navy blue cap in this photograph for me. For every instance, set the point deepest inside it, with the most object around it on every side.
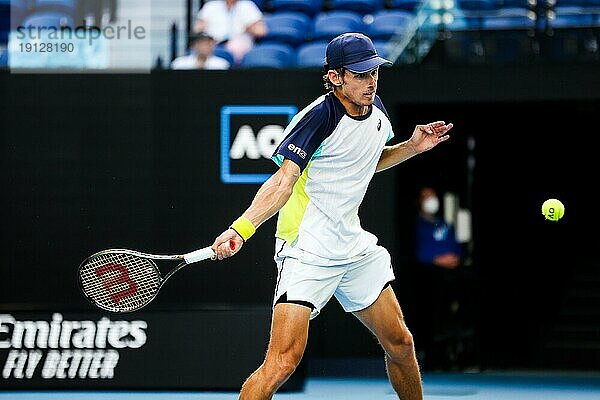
(353, 51)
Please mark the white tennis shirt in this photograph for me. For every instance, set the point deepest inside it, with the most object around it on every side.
(224, 23)
(338, 155)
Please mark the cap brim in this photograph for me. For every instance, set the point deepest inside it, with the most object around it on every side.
(367, 65)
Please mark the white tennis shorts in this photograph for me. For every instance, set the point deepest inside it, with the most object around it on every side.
(356, 284)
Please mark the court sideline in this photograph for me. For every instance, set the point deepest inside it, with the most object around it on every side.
(438, 386)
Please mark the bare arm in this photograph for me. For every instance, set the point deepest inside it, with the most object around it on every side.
(270, 198)
(200, 26)
(257, 29)
(393, 155)
(424, 137)
(273, 194)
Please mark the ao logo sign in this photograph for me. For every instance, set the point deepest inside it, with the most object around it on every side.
(249, 136)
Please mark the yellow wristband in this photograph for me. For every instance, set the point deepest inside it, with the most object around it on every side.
(243, 227)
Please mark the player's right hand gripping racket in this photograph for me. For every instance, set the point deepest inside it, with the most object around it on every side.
(121, 280)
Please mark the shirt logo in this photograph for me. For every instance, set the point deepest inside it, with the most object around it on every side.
(295, 149)
(379, 125)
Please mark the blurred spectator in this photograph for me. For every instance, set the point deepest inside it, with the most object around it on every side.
(202, 47)
(98, 12)
(235, 23)
(444, 288)
(436, 240)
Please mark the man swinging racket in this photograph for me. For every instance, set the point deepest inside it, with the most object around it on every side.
(331, 151)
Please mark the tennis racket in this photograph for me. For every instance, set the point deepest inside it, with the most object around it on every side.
(122, 280)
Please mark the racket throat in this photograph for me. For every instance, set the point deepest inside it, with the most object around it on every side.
(172, 272)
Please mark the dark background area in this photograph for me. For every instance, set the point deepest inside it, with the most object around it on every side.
(99, 161)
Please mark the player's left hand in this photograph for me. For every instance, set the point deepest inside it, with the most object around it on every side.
(426, 137)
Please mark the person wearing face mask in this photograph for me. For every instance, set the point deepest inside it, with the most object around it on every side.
(436, 239)
(439, 257)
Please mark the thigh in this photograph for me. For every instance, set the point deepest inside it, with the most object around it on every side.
(289, 331)
(385, 319)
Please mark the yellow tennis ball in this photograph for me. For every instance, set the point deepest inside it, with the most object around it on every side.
(553, 209)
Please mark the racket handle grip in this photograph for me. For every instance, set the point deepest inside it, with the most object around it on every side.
(198, 255)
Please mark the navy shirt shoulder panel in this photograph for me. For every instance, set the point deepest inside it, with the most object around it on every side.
(379, 104)
(306, 136)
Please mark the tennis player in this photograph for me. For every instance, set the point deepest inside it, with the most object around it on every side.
(331, 151)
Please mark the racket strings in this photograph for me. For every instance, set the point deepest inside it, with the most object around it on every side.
(119, 281)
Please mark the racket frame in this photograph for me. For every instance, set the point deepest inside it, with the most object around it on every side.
(147, 256)
(184, 259)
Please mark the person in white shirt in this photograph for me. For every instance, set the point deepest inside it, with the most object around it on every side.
(331, 151)
(235, 23)
(202, 55)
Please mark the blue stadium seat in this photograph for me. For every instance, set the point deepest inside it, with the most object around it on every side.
(269, 55)
(308, 7)
(328, 25)
(221, 51)
(69, 7)
(359, 6)
(3, 57)
(477, 7)
(508, 23)
(571, 17)
(48, 19)
(459, 21)
(473, 11)
(566, 3)
(529, 4)
(18, 10)
(4, 21)
(288, 27)
(261, 4)
(387, 23)
(570, 10)
(515, 12)
(383, 47)
(407, 5)
(311, 55)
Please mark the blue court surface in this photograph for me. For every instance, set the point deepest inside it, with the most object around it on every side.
(438, 386)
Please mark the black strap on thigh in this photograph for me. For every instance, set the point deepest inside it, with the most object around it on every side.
(283, 299)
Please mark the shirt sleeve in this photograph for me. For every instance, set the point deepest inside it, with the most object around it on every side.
(251, 13)
(201, 14)
(305, 134)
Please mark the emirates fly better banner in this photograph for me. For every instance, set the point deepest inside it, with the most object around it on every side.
(67, 349)
(197, 349)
